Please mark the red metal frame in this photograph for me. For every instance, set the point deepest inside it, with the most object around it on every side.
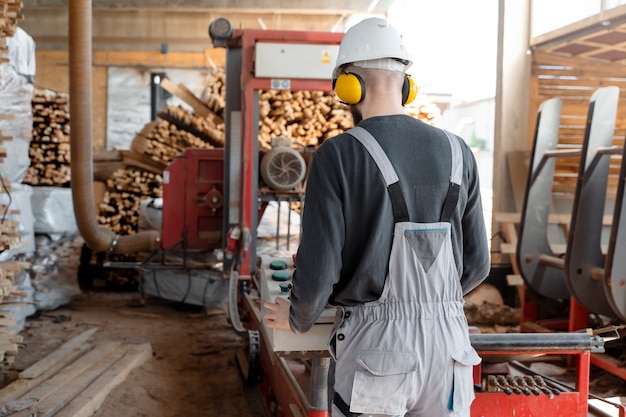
(573, 404)
(247, 39)
(284, 394)
(577, 320)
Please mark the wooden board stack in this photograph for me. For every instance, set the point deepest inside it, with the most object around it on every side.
(10, 15)
(74, 380)
(10, 237)
(49, 149)
(9, 294)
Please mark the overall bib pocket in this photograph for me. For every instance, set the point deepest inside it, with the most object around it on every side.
(462, 393)
(383, 382)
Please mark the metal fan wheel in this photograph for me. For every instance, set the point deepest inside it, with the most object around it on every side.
(283, 168)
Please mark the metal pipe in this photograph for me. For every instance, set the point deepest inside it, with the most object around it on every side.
(99, 239)
(319, 383)
(540, 342)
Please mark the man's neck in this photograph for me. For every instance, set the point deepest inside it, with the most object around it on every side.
(382, 106)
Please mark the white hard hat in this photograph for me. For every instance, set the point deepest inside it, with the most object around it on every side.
(373, 39)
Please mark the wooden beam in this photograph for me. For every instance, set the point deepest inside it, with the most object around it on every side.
(90, 400)
(209, 57)
(148, 29)
(58, 356)
(241, 6)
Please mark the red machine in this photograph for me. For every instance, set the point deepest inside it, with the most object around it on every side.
(193, 200)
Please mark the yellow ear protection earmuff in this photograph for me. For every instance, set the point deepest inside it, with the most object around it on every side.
(350, 88)
(409, 90)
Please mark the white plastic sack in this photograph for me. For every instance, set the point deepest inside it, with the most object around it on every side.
(53, 210)
(16, 96)
(19, 198)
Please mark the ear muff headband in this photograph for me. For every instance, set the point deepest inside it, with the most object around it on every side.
(349, 88)
(409, 90)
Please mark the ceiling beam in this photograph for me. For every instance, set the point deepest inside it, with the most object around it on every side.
(360, 6)
(181, 30)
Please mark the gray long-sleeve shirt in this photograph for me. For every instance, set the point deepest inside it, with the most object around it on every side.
(347, 220)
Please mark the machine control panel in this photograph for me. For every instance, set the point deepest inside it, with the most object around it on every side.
(295, 61)
(274, 280)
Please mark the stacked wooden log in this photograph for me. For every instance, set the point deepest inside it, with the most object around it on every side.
(10, 15)
(50, 146)
(424, 110)
(125, 189)
(307, 117)
(214, 95)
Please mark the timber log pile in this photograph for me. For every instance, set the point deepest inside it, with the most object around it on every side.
(10, 14)
(307, 117)
(125, 189)
(49, 149)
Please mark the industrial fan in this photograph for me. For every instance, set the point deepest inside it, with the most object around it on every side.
(282, 167)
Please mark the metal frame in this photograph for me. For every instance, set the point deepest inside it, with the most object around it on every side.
(242, 121)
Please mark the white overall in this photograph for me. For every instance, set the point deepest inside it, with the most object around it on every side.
(408, 353)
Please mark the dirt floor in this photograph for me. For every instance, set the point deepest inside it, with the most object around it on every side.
(192, 372)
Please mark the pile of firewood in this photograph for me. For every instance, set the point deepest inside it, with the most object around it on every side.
(424, 110)
(307, 117)
(163, 141)
(125, 189)
(10, 14)
(208, 130)
(50, 146)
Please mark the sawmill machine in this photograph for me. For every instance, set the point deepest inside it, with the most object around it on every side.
(289, 369)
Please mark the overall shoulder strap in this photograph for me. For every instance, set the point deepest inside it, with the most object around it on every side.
(456, 177)
(400, 212)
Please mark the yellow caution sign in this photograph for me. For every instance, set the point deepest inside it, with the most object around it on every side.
(326, 59)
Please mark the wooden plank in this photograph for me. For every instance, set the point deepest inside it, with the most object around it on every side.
(9, 348)
(58, 382)
(54, 403)
(7, 321)
(90, 400)
(172, 59)
(57, 356)
(184, 94)
(19, 387)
